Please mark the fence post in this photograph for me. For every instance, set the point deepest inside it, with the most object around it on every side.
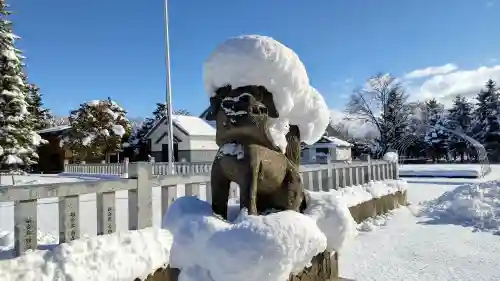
(25, 226)
(395, 171)
(140, 200)
(69, 218)
(126, 162)
(168, 195)
(65, 166)
(106, 213)
(329, 175)
(208, 192)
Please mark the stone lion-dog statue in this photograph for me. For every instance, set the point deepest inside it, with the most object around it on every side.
(269, 179)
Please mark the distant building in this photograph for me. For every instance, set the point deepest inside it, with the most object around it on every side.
(327, 149)
(194, 140)
(52, 155)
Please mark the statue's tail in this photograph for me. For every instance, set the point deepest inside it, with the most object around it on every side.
(293, 145)
(293, 155)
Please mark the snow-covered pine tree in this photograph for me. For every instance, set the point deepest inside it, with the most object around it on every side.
(42, 118)
(487, 121)
(436, 137)
(97, 129)
(459, 120)
(413, 144)
(394, 117)
(18, 140)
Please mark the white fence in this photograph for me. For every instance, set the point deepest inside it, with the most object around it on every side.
(159, 168)
(139, 186)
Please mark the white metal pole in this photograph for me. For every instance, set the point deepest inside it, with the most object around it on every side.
(168, 95)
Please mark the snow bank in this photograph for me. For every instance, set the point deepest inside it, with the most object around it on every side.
(476, 205)
(357, 194)
(119, 256)
(371, 224)
(261, 60)
(269, 247)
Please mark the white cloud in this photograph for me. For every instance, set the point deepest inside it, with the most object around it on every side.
(445, 87)
(431, 71)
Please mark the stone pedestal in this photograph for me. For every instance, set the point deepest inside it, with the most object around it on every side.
(324, 268)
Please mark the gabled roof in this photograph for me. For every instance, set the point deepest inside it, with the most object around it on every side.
(335, 141)
(55, 130)
(188, 125)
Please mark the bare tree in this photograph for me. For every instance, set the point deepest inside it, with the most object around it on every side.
(381, 102)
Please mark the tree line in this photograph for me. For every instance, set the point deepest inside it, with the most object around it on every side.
(466, 131)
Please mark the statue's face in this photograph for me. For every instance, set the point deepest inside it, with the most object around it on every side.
(242, 115)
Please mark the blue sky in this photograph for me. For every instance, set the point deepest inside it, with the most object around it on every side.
(82, 50)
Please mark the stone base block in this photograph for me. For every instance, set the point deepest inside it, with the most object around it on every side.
(325, 267)
(378, 206)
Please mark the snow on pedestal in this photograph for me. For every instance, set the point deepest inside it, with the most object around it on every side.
(270, 247)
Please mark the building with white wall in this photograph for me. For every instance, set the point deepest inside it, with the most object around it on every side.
(194, 140)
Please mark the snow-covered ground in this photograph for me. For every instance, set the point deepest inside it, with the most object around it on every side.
(420, 243)
(441, 170)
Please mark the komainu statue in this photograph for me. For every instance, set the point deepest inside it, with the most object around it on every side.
(263, 107)
(268, 178)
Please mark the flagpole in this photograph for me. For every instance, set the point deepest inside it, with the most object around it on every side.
(168, 94)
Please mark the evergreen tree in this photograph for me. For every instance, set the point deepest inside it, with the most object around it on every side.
(413, 143)
(437, 136)
(394, 118)
(487, 123)
(97, 129)
(459, 120)
(18, 140)
(42, 118)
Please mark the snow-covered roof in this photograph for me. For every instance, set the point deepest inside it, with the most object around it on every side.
(338, 142)
(190, 125)
(194, 126)
(55, 129)
(326, 141)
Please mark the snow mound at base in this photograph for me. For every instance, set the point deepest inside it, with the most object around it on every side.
(270, 247)
(391, 157)
(120, 256)
(476, 205)
(332, 216)
(261, 60)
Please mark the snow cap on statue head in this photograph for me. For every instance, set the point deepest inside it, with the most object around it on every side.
(256, 60)
(262, 61)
